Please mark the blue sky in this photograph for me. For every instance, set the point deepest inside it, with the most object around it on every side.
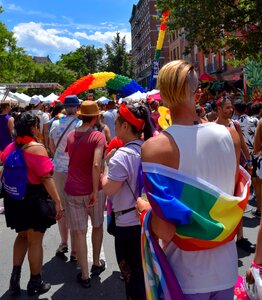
(53, 27)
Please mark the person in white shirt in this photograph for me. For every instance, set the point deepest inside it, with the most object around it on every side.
(58, 140)
(110, 117)
(189, 145)
(36, 105)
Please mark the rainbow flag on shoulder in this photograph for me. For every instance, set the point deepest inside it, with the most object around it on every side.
(205, 217)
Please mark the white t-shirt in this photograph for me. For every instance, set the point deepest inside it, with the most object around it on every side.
(206, 151)
(109, 119)
(44, 117)
(124, 165)
(61, 158)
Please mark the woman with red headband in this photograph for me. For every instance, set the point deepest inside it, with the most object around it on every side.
(122, 184)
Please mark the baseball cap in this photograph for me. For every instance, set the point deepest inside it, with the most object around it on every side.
(35, 100)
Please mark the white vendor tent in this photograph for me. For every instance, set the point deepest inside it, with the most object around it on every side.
(103, 99)
(50, 98)
(137, 96)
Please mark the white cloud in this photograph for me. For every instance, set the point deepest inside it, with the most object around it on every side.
(104, 37)
(39, 41)
(14, 7)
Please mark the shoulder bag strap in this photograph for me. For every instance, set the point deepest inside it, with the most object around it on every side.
(130, 189)
(78, 142)
(62, 135)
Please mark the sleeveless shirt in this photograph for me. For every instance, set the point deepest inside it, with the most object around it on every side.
(5, 137)
(206, 151)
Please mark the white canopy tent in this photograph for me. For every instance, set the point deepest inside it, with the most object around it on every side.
(50, 98)
(103, 99)
(21, 99)
(137, 96)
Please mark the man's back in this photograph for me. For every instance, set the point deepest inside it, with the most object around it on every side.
(248, 126)
(206, 151)
(59, 126)
(109, 119)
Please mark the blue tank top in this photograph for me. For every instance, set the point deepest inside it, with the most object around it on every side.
(5, 136)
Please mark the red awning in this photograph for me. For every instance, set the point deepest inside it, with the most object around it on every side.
(206, 77)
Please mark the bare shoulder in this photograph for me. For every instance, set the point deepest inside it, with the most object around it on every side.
(160, 149)
(235, 137)
(36, 148)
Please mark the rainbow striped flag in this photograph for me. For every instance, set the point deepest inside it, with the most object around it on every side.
(205, 216)
(160, 280)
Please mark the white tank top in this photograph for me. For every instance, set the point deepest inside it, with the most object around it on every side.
(205, 151)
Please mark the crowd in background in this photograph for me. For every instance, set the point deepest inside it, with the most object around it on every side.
(94, 155)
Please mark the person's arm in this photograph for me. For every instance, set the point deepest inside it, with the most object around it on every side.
(46, 135)
(107, 134)
(237, 145)
(48, 181)
(258, 139)
(96, 172)
(111, 187)
(51, 147)
(258, 253)
(11, 125)
(50, 187)
(152, 152)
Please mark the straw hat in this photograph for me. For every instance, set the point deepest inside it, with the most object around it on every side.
(88, 109)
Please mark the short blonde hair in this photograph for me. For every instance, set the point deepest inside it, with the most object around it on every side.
(177, 82)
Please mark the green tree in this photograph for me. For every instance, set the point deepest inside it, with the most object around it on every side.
(15, 65)
(85, 60)
(52, 73)
(117, 59)
(234, 26)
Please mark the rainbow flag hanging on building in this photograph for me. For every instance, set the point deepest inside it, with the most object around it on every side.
(205, 216)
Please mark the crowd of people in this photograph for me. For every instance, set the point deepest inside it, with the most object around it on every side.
(87, 156)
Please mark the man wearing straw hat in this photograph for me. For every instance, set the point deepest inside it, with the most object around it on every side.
(84, 195)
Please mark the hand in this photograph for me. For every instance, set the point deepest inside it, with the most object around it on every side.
(249, 277)
(93, 199)
(59, 211)
(141, 205)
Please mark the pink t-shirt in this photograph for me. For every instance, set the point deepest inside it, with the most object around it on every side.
(79, 178)
(37, 165)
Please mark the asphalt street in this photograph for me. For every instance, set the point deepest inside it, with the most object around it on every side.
(62, 274)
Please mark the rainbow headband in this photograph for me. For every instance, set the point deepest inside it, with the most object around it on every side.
(127, 115)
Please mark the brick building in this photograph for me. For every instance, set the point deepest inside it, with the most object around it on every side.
(144, 34)
(211, 63)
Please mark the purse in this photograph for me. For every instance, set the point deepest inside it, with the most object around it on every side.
(111, 227)
(47, 208)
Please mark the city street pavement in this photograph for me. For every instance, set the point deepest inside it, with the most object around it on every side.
(62, 275)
